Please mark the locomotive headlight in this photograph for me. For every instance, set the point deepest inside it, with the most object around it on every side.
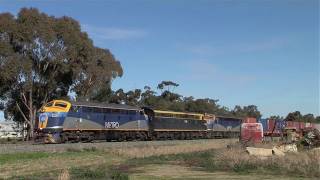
(43, 119)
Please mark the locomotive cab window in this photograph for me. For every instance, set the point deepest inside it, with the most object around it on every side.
(60, 104)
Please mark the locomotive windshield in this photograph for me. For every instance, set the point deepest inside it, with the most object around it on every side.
(56, 106)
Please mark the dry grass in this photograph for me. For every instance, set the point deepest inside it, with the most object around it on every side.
(147, 151)
(202, 158)
(306, 164)
(64, 175)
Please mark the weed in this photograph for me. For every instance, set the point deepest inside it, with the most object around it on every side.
(71, 149)
(118, 175)
(90, 149)
(87, 173)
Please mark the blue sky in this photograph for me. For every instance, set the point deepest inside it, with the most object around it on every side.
(240, 52)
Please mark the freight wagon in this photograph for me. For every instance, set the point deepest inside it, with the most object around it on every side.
(272, 127)
(277, 128)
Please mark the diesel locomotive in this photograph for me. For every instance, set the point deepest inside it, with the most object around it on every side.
(62, 121)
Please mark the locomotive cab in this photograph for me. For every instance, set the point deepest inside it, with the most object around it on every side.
(51, 118)
(52, 114)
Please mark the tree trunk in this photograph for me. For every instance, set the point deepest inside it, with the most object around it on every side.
(31, 116)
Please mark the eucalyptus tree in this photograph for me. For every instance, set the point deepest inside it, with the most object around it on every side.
(44, 57)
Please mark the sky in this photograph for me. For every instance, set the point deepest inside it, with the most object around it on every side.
(242, 52)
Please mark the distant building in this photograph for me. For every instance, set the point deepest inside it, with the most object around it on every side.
(8, 129)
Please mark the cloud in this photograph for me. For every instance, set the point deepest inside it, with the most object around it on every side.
(205, 71)
(207, 49)
(200, 69)
(114, 33)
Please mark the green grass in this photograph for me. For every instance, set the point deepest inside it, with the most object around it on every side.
(21, 157)
(97, 172)
(7, 158)
(88, 173)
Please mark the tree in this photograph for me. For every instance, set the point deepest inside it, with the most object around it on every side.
(148, 97)
(201, 105)
(308, 118)
(102, 94)
(294, 116)
(246, 111)
(169, 85)
(43, 57)
(118, 97)
(133, 97)
(275, 117)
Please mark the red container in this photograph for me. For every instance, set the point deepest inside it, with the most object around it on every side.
(271, 125)
(251, 132)
(302, 126)
(298, 126)
(273, 128)
(290, 125)
(249, 120)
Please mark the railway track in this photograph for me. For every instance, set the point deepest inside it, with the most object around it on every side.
(30, 147)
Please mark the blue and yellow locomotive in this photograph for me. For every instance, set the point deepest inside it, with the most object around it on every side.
(62, 121)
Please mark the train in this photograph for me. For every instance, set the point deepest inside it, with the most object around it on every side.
(61, 121)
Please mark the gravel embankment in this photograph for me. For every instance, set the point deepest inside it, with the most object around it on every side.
(25, 147)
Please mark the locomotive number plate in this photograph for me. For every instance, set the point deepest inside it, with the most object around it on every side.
(111, 125)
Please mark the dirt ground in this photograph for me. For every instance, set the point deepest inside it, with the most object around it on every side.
(167, 171)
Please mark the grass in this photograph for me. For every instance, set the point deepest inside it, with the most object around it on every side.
(125, 163)
(49, 165)
(33, 156)
(305, 164)
(78, 173)
(147, 151)
(10, 140)
(7, 158)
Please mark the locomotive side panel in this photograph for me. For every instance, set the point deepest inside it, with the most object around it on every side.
(224, 127)
(164, 123)
(94, 118)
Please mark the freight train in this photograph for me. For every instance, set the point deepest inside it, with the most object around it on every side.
(62, 121)
(277, 128)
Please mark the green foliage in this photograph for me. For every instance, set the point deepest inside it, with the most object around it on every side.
(246, 111)
(44, 57)
(297, 116)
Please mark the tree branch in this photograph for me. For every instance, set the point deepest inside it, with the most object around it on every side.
(25, 101)
(23, 115)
